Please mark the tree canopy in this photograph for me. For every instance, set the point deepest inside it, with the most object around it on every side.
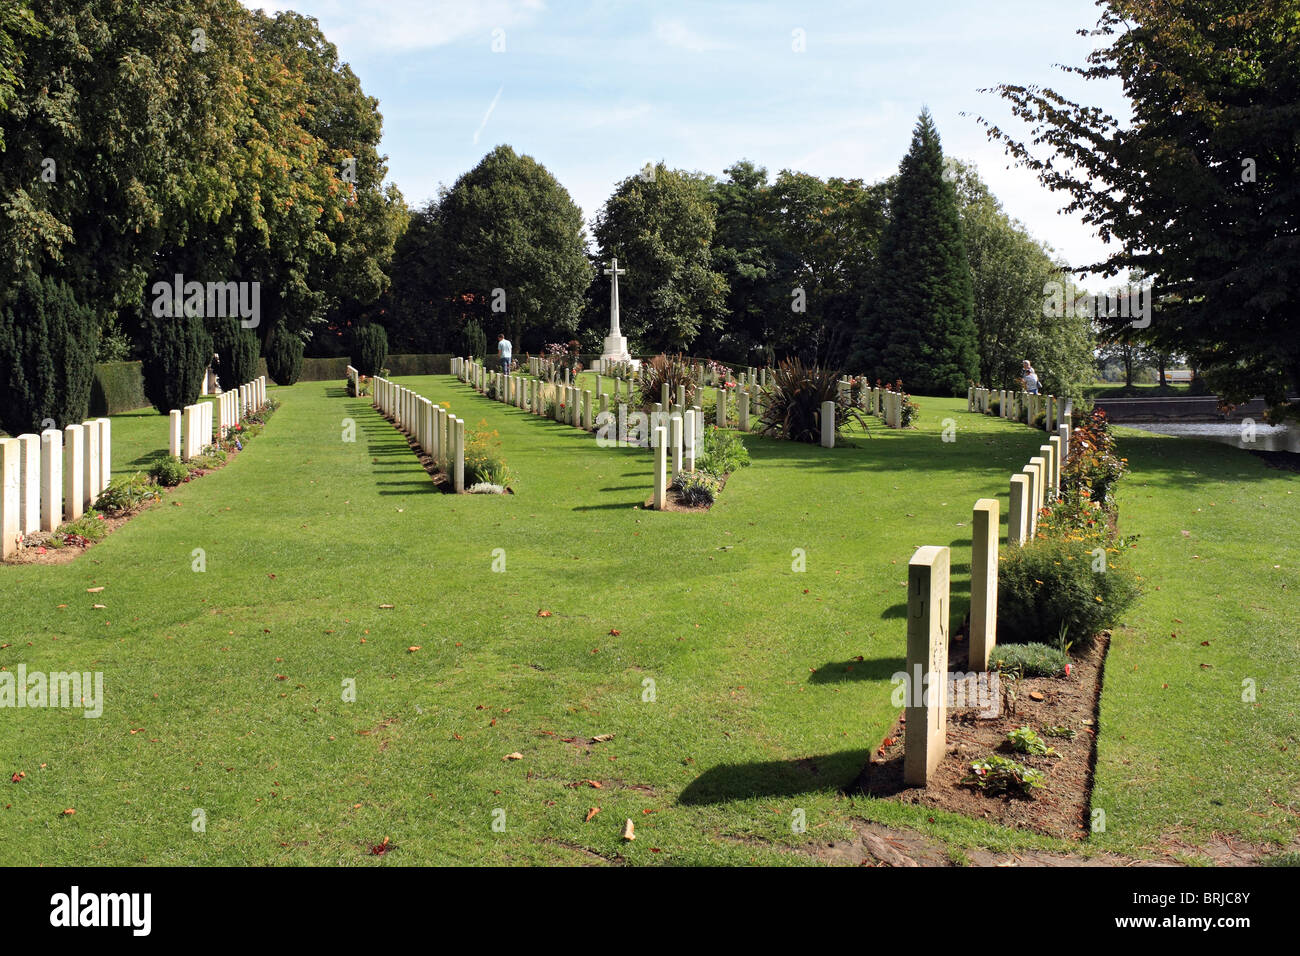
(918, 321)
(1200, 188)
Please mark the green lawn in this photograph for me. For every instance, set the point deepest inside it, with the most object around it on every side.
(756, 711)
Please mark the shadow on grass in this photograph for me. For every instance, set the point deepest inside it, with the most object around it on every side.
(620, 506)
(840, 672)
(149, 457)
(775, 778)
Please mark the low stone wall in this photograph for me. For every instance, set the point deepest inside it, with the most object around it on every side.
(1197, 408)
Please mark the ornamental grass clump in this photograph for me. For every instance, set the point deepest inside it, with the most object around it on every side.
(793, 399)
(695, 488)
(673, 372)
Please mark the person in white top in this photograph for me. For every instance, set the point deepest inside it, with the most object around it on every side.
(503, 350)
(1030, 376)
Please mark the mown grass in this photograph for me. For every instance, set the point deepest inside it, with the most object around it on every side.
(224, 688)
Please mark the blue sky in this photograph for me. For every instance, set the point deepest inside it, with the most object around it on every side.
(595, 89)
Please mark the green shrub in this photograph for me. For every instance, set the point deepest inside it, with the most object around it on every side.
(117, 387)
(89, 527)
(995, 407)
(483, 461)
(998, 774)
(1023, 740)
(47, 355)
(126, 496)
(910, 411)
(283, 356)
(1048, 589)
(177, 350)
(169, 472)
(370, 349)
(1092, 467)
(723, 452)
(213, 457)
(1031, 660)
(792, 405)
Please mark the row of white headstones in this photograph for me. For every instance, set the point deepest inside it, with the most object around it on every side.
(673, 430)
(191, 427)
(50, 478)
(925, 737)
(440, 434)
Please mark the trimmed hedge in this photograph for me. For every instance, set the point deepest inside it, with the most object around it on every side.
(418, 364)
(117, 387)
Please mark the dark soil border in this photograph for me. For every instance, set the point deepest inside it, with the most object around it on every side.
(1062, 807)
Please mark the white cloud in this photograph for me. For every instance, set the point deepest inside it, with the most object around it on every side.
(677, 34)
(400, 26)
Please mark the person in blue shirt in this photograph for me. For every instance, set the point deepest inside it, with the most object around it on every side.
(503, 350)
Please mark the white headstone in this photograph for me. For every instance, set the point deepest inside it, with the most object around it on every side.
(74, 472)
(927, 664)
(90, 471)
(51, 479)
(1018, 513)
(828, 424)
(660, 442)
(983, 583)
(29, 483)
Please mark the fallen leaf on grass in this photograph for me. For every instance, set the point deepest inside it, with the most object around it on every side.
(543, 613)
(602, 738)
(591, 813)
(514, 756)
(413, 648)
(379, 849)
(94, 590)
(628, 830)
(69, 812)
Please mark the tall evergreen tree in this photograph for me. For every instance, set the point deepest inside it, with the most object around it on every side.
(177, 350)
(918, 323)
(236, 351)
(47, 355)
